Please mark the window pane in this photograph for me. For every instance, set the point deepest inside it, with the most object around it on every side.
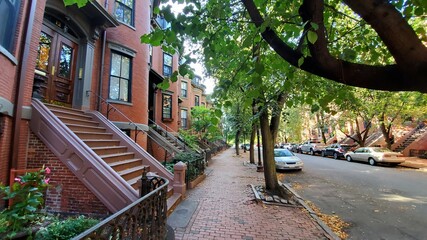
(167, 106)
(9, 17)
(167, 60)
(115, 64)
(124, 90)
(119, 11)
(127, 16)
(167, 71)
(43, 52)
(65, 61)
(125, 67)
(114, 88)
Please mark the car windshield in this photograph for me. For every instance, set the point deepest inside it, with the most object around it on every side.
(283, 153)
(381, 150)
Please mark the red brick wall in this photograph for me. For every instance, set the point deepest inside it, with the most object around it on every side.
(66, 194)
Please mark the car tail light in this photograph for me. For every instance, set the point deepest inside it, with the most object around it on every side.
(341, 150)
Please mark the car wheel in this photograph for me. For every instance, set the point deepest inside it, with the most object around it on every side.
(311, 152)
(335, 156)
(349, 159)
(372, 162)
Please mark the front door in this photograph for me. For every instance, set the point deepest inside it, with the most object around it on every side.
(55, 68)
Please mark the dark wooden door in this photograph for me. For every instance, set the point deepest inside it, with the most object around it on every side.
(55, 68)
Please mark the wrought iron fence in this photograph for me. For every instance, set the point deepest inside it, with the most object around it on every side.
(195, 168)
(144, 219)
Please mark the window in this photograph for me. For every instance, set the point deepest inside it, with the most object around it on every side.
(150, 49)
(184, 119)
(167, 65)
(196, 100)
(9, 11)
(123, 11)
(120, 77)
(183, 89)
(167, 107)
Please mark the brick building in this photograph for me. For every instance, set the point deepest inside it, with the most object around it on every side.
(90, 59)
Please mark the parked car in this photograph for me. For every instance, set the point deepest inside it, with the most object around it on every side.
(312, 147)
(286, 160)
(296, 148)
(374, 155)
(336, 150)
(245, 146)
(287, 146)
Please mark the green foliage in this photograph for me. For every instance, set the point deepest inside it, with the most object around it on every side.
(195, 164)
(65, 229)
(205, 123)
(27, 196)
(80, 3)
(189, 138)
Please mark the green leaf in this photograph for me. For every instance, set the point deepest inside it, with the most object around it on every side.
(300, 61)
(314, 26)
(164, 85)
(156, 10)
(218, 112)
(311, 36)
(259, 67)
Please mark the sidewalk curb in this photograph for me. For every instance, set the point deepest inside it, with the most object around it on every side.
(310, 211)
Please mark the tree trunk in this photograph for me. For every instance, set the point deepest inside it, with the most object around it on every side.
(252, 142)
(386, 134)
(268, 154)
(236, 142)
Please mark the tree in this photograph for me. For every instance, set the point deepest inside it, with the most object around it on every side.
(389, 21)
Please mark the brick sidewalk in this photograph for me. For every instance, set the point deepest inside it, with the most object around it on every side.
(225, 208)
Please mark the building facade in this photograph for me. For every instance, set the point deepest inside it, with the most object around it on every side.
(88, 58)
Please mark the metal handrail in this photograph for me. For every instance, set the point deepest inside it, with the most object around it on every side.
(170, 134)
(137, 128)
(143, 219)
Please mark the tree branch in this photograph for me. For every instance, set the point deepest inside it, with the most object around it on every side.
(389, 77)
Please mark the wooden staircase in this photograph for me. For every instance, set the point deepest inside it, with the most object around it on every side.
(102, 143)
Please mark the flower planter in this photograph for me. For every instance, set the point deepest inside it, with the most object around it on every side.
(195, 182)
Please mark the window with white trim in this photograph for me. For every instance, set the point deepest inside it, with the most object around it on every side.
(120, 77)
(123, 11)
(184, 119)
(184, 89)
(167, 65)
(196, 100)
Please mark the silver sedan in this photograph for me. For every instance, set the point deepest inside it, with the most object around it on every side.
(374, 155)
(286, 160)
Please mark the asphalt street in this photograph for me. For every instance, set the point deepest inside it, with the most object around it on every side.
(379, 202)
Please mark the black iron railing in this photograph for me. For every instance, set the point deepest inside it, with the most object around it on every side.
(195, 168)
(143, 219)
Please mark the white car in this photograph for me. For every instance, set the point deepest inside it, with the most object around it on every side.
(374, 155)
(286, 160)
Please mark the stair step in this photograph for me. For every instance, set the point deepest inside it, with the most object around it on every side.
(131, 173)
(62, 108)
(93, 135)
(69, 114)
(125, 164)
(104, 150)
(68, 120)
(101, 142)
(109, 158)
(85, 128)
(172, 202)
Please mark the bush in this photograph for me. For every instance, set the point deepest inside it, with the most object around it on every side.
(66, 229)
(26, 196)
(195, 164)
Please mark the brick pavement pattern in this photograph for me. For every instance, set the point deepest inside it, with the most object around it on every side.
(227, 210)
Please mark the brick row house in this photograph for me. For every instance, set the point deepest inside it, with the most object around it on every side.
(74, 81)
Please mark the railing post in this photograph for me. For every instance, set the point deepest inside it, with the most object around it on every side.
(179, 185)
(144, 184)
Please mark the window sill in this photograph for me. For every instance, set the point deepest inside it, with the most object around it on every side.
(119, 102)
(167, 119)
(127, 25)
(8, 55)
